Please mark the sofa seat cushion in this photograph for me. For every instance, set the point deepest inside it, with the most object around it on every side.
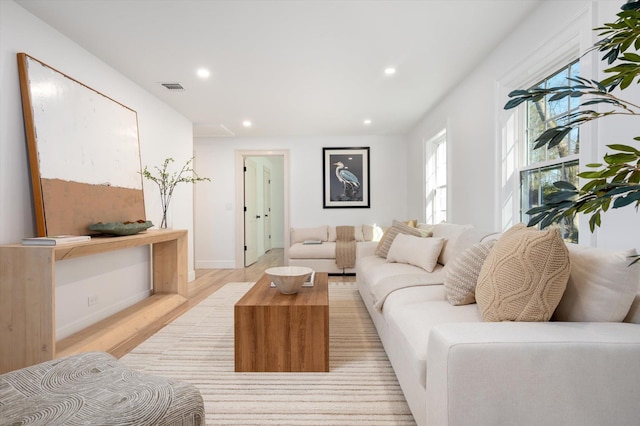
(374, 268)
(413, 295)
(412, 320)
(326, 250)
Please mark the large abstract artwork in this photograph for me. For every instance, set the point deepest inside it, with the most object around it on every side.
(84, 153)
(346, 177)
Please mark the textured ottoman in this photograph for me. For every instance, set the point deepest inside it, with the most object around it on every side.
(94, 388)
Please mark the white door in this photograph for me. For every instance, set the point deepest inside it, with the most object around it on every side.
(266, 208)
(251, 216)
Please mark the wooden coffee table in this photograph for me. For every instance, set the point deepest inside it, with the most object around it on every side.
(279, 333)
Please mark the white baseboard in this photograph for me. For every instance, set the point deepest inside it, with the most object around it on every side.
(107, 311)
(215, 264)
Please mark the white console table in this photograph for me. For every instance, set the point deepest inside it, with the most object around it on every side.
(27, 297)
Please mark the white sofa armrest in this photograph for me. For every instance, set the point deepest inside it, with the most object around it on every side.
(533, 374)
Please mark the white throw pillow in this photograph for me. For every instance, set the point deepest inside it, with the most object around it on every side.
(417, 251)
(601, 285)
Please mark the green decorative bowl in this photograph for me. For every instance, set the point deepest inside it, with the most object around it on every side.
(120, 228)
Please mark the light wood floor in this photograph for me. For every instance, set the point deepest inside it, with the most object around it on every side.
(207, 282)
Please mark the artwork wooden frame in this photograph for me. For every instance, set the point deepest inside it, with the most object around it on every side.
(84, 152)
(346, 178)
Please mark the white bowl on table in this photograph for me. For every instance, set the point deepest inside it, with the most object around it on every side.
(289, 279)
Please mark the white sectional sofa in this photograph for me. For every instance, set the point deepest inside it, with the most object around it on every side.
(322, 257)
(456, 369)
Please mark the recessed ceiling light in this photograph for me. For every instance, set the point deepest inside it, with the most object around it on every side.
(390, 71)
(203, 73)
(367, 121)
(247, 123)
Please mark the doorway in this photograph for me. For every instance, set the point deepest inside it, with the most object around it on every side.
(262, 222)
(251, 216)
(266, 208)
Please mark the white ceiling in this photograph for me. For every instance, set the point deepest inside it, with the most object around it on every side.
(291, 67)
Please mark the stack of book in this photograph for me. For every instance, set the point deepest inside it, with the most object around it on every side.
(55, 240)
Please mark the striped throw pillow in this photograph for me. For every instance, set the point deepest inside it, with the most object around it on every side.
(388, 237)
(461, 275)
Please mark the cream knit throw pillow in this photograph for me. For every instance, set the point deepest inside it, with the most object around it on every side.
(524, 276)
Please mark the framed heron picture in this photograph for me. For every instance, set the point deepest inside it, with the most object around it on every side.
(346, 177)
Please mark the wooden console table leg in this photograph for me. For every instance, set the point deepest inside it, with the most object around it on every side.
(27, 307)
(170, 266)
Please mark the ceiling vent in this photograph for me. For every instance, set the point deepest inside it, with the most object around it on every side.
(173, 86)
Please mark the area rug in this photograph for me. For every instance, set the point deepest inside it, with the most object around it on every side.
(360, 389)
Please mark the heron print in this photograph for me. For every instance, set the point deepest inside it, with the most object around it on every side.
(350, 182)
(346, 177)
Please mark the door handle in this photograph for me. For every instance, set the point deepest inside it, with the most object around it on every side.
(257, 216)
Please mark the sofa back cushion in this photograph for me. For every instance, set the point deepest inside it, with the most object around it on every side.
(300, 235)
(601, 285)
(333, 235)
(524, 276)
(372, 232)
(634, 312)
(450, 232)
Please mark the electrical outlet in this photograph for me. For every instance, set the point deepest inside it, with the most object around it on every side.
(92, 300)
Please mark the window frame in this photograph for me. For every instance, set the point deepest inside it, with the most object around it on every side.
(431, 150)
(554, 52)
(528, 164)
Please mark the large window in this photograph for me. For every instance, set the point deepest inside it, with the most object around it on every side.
(542, 167)
(436, 178)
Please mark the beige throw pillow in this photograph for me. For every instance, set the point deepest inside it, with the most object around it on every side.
(601, 285)
(416, 251)
(524, 276)
(390, 235)
(461, 274)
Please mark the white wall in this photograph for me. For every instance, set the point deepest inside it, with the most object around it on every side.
(113, 277)
(471, 115)
(215, 240)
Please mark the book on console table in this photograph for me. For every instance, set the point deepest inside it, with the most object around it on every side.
(55, 240)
